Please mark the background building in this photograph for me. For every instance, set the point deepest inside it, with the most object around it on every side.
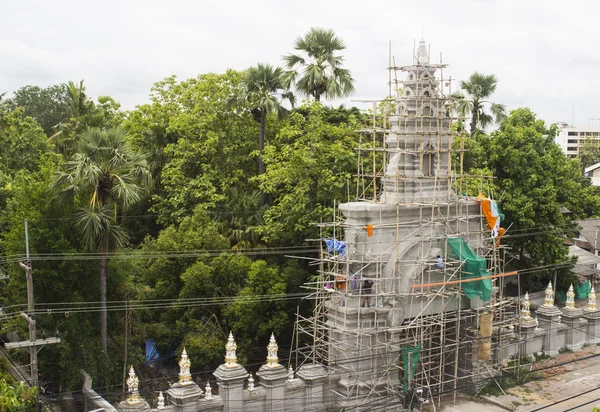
(572, 138)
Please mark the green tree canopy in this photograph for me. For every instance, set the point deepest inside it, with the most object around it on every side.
(535, 182)
(208, 148)
(48, 106)
(310, 163)
(589, 153)
(22, 142)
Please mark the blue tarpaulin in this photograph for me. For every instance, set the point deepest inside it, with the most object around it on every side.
(336, 245)
(151, 351)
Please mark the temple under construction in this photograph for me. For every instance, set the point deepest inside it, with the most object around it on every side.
(409, 307)
(408, 304)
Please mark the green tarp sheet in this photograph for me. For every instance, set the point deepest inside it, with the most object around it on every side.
(414, 353)
(582, 290)
(474, 267)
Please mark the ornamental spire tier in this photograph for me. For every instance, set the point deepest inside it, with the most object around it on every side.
(525, 307)
(570, 304)
(272, 359)
(591, 306)
(161, 401)
(549, 299)
(185, 378)
(422, 56)
(208, 391)
(251, 383)
(230, 355)
(132, 388)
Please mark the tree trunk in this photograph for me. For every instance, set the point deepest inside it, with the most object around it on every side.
(474, 116)
(103, 313)
(261, 143)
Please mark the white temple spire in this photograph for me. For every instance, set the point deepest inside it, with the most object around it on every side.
(230, 355)
(570, 304)
(208, 390)
(185, 378)
(525, 307)
(591, 306)
(549, 299)
(161, 401)
(272, 359)
(250, 383)
(422, 54)
(132, 387)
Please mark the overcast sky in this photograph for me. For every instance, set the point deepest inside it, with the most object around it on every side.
(545, 53)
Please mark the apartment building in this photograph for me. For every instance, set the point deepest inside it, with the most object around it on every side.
(572, 138)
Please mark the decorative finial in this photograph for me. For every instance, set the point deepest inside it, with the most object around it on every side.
(161, 401)
(592, 301)
(185, 378)
(272, 359)
(549, 300)
(132, 388)
(208, 389)
(290, 373)
(525, 308)
(250, 383)
(570, 304)
(230, 356)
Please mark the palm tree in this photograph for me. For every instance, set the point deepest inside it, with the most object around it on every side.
(105, 169)
(239, 217)
(80, 108)
(479, 87)
(322, 72)
(263, 90)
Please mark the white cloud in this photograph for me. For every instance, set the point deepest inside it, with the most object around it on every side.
(543, 52)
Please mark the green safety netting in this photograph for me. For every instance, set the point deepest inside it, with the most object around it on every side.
(474, 267)
(412, 352)
(582, 290)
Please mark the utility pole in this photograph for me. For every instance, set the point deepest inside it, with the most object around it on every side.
(30, 308)
(32, 343)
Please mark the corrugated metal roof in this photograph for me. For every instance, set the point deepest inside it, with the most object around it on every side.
(583, 256)
(590, 228)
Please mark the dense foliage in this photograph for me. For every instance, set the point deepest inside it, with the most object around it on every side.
(191, 201)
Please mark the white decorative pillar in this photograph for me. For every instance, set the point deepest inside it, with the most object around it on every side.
(272, 378)
(592, 315)
(230, 378)
(527, 326)
(549, 319)
(313, 376)
(184, 393)
(572, 317)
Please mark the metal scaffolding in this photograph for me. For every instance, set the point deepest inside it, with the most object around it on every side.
(391, 285)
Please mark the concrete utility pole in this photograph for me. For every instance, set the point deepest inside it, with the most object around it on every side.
(30, 308)
(32, 343)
